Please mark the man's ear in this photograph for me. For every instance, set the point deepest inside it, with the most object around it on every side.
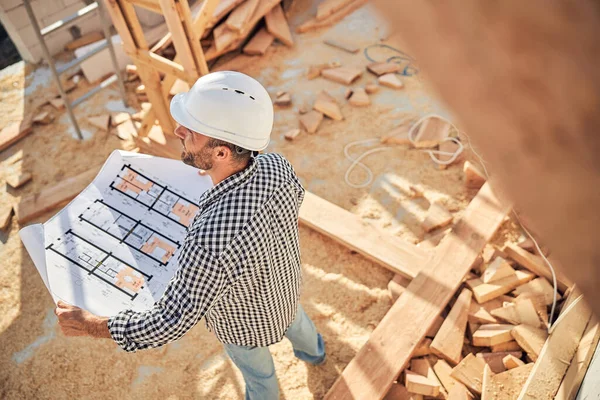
(222, 153)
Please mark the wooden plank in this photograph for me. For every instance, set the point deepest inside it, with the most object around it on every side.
(419, 384)
(382, 68)
(180, 41)
(527, 313)
(469, 372)
(331, 19)
(558, 351)
(342, 45)
(510, 362)
(371, 373)
(259, 43)
(579, 365)
(443, 370)
(459, 392)
(484, 292)
(474, 177)
(507, 313)
(506, 385)
(399, 392)
(508, 346)
(233, 40)
(5, 215)
(16, 181)
(397, 286)
(538, 286)
(343, 75)
(433, 330)
(14, 132)
(431, 132)
(536, 265)
(495, 360)
(479, 315)
(361, 236)
(84, 40)
(49, 198)
(241, 15)
(311, 120)
(277, 25)
(193, 35)
(498, 269)
(530, 339)
(437, 217)
(448, 342)
(222, 8)
(329, 108)
(391, 81)
(491, 334)
(423, 349)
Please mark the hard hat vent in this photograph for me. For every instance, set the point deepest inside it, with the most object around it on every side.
(240, 92)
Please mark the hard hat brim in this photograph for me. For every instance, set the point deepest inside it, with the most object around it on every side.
(184, 118)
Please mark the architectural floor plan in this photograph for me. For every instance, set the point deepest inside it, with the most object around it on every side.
(115, 246)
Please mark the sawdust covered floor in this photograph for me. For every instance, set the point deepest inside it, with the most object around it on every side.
(344, 294)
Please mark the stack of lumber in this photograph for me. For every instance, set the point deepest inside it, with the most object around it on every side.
(494, 342)
(330, 12)
(253, 24)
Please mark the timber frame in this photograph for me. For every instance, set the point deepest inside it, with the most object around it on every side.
(185, 33)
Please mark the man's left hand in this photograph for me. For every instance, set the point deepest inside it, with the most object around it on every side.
(74, 321)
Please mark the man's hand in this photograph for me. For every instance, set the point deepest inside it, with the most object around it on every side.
(74, 321)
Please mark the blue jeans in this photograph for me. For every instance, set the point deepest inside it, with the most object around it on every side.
(257, 365)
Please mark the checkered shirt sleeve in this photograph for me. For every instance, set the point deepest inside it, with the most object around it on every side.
(198, 282)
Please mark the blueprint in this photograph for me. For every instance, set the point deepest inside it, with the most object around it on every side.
(115, 246)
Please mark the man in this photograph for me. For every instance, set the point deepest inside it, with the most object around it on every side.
(240, 265)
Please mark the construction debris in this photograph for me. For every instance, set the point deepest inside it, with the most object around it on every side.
(432, 131)
(43, 118)
(344, 75)
(5, 214)
(437, 217)
(372, 88)
(359, 98)
(58, 103)
(350, 48)
(126, 130)
(16, 181)
(283, 99)
(292, 134)
(311, 121)
(278, 26)
(384, 68)
(100, 121)
(331, 17)
(474, 177)
(119, 118)
(15, 132)
(391, 81)
(328, 106)
(259, 44)
(314, 71)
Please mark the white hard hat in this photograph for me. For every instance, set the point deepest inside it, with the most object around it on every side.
(228, 106)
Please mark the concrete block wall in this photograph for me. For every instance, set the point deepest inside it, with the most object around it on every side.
(16, 22)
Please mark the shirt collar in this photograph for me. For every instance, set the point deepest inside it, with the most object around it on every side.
(227, 184)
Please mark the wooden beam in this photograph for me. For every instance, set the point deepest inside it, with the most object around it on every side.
(239, 17)
(530, 339)
(572, 381)
(180, 40)
(448, 342)
(47, 199)
(150, 5)
(387, 352)
(277, 25)
(348, 229)
(162, 64)
(192, 35)
(485, 292)
(558, 351)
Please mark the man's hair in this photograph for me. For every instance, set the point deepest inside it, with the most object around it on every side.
(239, 154)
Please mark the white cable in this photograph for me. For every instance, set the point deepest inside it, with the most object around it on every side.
(537, 246)
(433, 153)
(356, 162)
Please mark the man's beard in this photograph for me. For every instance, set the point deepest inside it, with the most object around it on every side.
(201, 160)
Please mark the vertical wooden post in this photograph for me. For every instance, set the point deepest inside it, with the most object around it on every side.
(180, 40)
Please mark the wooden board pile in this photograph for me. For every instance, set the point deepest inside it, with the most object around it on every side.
(492, 340)
(253, 24)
